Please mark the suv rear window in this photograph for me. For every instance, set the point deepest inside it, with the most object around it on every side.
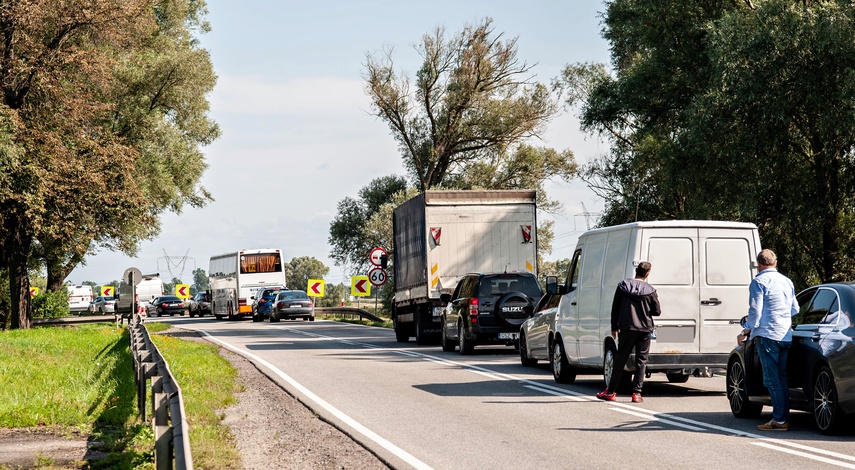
(502, 284)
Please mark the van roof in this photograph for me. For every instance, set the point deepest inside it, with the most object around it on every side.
(678, 224)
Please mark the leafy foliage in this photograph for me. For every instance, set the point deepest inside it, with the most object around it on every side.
(299, 270)
(730, 110)
(50, 304)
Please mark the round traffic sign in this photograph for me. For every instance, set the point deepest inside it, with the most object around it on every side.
(377, 276)
(375, 255)
(132, 276)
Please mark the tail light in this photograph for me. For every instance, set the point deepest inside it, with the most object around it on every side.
(473, 310)
(281, 305)
(241, 301)
(310, 303)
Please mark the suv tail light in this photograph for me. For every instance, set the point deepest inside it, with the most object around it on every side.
(473, 310)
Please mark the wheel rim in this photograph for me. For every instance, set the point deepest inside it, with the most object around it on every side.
(736, 387)
(556, 359)
(609, 365)
(823, 400)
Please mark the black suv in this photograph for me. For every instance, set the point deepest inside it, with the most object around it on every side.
(488, 308)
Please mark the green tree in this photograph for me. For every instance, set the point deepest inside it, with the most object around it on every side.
(200, 280)
(299, 270)
(473, 99)
(334, 294)
(117, 88)
(731, 110)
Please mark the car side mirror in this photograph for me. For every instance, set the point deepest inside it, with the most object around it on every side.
(744, 321)
(551, 285)
(445, 297)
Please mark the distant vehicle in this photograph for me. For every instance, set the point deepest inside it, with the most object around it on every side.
(262, 302)
(819, 364)
(103, 305)
(200, 304)
(701, 271)
(79, 298)
(292, 304)
(439, 236)
(149, 287)
(236, 277)
(166, 305)
(537, 333)
(488, 308)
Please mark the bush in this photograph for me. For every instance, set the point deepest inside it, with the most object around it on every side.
(50, 304)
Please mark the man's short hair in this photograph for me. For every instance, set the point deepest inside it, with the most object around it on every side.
(766, 257)
(643, 269)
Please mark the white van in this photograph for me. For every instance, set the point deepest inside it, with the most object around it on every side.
(79, 298)
(150, 286)
(701, 270)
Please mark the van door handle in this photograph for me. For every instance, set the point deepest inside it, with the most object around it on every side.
(573, 303)
(711, 301)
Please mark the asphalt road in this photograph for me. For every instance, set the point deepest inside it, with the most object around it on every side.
(419, 407)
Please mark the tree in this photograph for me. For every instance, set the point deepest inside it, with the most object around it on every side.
(731, 110)
(350, 241)
(299, 270)
(472, 99)
(117, 88)
(200, 280)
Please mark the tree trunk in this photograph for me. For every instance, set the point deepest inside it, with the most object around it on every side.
(18, 245)
(56, 274)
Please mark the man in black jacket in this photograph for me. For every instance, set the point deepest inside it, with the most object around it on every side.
(633, 308)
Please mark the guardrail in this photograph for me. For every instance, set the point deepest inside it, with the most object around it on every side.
(72, 320)
(349, 312)
(171, 432)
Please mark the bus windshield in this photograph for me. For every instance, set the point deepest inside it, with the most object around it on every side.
(260, 263)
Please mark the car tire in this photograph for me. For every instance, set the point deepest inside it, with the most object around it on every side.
(466, 346)
(525, 360)
(312, 318)
(562, 371)
(447, 345)
(274, 317)
(677, 377)
(609, 354)
(192, 314)
(256, 317)
(737, 393)
(421, 336)
(826, 408)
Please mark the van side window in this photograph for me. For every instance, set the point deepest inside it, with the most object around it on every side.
(573, 273)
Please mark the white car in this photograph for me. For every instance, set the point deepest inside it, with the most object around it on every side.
(103, 305)
(536, 332)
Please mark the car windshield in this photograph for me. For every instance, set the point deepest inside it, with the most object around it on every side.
(502, 284)
(293, 295)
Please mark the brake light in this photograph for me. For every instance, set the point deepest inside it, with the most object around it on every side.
(281, 305)
(473, 310)
(310, 303)
(242, 301)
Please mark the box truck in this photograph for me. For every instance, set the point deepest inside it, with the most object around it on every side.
(701, 270)
(440, 236)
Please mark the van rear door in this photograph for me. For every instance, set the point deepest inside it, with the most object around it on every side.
(673, 252)
(727, 268)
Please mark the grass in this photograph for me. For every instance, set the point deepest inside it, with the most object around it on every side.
(80, 380)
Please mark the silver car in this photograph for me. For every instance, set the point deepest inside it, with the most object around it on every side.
(292, 304)
(536, 332)
(103, 305)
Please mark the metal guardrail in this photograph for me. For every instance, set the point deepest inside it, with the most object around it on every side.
(171, 432)
(347, 311)
(75, 319)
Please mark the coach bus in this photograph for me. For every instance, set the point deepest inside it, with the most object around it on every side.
(235, 278)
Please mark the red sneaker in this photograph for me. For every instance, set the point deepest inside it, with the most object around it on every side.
(636, 398)
(607, 395)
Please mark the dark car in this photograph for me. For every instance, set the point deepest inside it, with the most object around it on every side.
(263, 301)
(820, 363)
(166, 305)
(200, 304)
(292, 304)
(536, 333)
(488, 308)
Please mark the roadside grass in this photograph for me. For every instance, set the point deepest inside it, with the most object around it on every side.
(208, 384)
(75, 380)
(79, 380)
(383, 324)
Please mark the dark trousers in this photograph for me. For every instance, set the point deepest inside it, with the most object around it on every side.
(627, 341)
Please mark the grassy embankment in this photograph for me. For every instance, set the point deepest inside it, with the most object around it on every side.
(79, 380)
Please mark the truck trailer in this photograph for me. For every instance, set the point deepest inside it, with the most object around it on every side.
(440, 236)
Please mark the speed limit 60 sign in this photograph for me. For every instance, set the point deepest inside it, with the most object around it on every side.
(377, 276)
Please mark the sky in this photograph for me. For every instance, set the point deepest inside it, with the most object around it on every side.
(298, 135)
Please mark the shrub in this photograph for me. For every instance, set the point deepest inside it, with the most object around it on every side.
(50, 304)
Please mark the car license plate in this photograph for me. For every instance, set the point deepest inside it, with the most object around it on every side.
(509, 335)
(296, 306)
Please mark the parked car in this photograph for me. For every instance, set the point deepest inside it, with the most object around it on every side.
(537, 332)
(166, 305)
(262, 301)
(103, 305)
(292, 304)
(487, 308)
(199, 304)
(820, 370)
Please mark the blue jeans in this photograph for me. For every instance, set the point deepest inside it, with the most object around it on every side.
(773, 359)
